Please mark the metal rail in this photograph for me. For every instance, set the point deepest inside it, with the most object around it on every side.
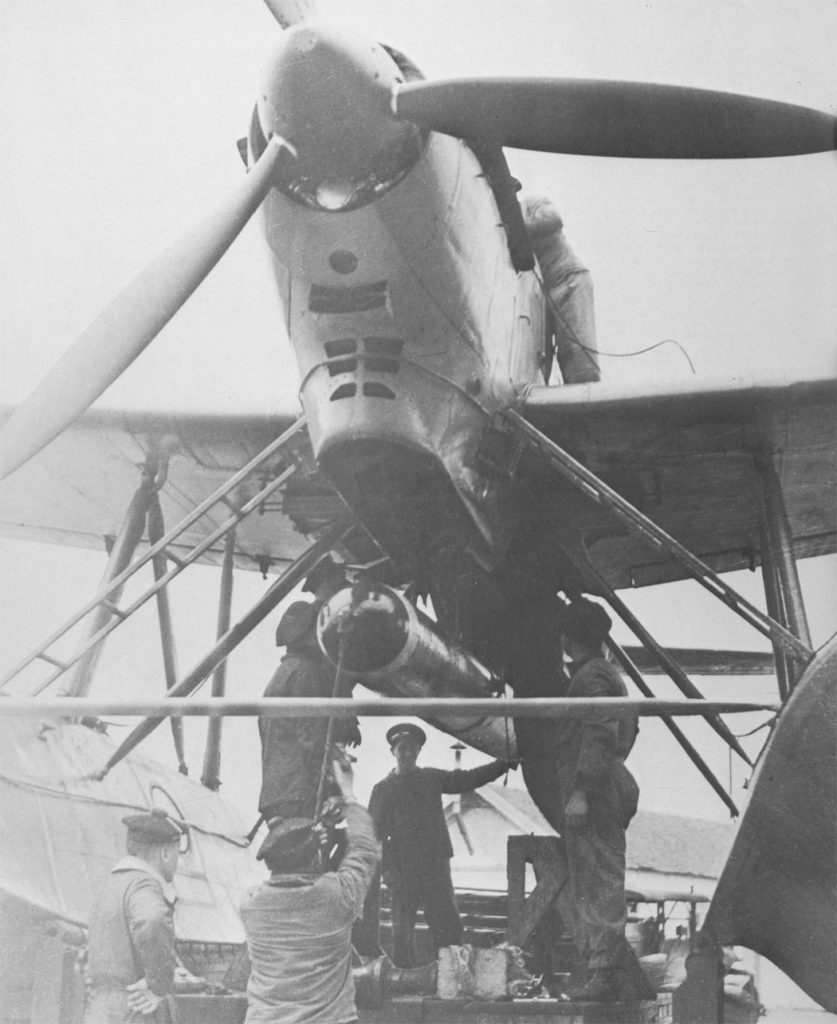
(344, 707)
(104, 596)
(638, 523)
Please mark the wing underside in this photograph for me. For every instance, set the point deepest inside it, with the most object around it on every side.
(692, 459)
(77, 491)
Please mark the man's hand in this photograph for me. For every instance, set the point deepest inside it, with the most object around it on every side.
(141, 999)
(575, 811)
(344, 778)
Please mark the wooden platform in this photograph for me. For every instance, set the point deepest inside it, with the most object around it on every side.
(418, 1010)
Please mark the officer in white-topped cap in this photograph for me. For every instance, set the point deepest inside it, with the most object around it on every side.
(407, 809)
(131, 958)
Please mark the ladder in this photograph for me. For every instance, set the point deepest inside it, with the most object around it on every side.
(44, 652)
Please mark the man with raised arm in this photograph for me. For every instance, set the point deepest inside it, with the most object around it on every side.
(408, 813)
(299, 922)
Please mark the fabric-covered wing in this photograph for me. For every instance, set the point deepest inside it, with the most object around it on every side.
(688, 457)
(77, 490)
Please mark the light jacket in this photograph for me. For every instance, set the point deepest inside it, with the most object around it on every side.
(132, 929)
(299, 936)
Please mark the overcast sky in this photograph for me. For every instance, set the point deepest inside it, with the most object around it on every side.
(119, 129)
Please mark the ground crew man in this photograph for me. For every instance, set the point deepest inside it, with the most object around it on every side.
(599, 797)
(299, 923)
(293, 748)
(130, 955)
(407, 809)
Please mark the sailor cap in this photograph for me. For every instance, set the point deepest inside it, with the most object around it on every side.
(585, 620)
(154, 827)
(326, 571)
(406, 730)
(299, 619)
(288, 837)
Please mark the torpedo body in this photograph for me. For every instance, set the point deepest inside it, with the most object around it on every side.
(383, 642)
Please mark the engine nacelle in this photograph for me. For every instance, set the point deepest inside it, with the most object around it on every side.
(384, 643)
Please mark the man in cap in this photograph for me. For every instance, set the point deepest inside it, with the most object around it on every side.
(408, 813)
(130, 954)
(293, 748)
(325, 579)
(299, 922)
(599, 797)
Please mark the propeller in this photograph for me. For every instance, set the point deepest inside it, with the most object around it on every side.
(291, 12)
(123, 330)
(621, 119)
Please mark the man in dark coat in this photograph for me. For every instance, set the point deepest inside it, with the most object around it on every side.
(408, 813)
(293, 748)
(130, 954)
(599, 797)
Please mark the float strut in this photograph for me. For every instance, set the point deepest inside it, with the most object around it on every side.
(159, 563)
(212, 758)
(120, 555)
(780, 545)
(776, 610)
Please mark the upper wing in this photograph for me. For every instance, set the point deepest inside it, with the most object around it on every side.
(688, 457)
(77, 490)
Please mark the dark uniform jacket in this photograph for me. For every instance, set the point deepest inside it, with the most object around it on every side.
(408, 814)
(292, 748)
(132, 929)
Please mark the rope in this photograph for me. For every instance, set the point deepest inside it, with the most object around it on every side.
(324, 766)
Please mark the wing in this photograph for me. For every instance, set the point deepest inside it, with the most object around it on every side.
(688, 457)
(77, 490)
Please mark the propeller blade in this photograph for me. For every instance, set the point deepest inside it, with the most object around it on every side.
(624, 119)
(291, 12)
(121, 332)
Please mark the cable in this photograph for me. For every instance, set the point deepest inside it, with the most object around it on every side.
(650, 348)
(764, 725)
(591, 352)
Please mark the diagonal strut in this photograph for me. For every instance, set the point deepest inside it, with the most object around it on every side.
(638, 523)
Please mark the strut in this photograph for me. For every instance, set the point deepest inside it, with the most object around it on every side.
(211, 777)
(624, 659)
(638, 523)
(156, 531)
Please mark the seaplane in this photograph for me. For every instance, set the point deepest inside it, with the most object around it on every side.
(456, 450)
